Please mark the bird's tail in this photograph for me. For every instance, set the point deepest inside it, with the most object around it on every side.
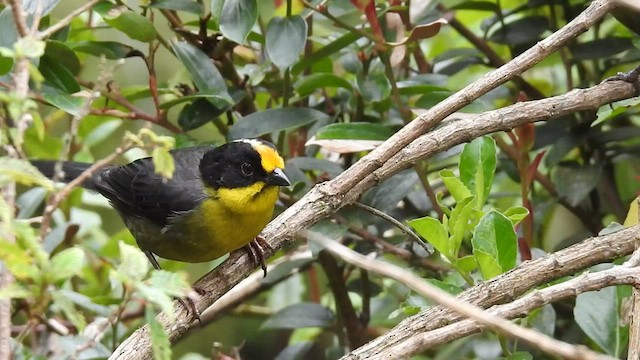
(70, 170)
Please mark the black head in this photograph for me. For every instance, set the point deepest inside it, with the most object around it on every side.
(242, 163)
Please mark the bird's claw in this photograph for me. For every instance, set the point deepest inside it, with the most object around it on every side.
(189, 303)
(255, 250)
(632, 77)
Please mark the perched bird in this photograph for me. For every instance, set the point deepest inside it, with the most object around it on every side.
(218, 200)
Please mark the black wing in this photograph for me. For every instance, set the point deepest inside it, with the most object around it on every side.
(135, 189)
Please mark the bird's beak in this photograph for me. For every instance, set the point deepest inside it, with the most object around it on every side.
(278, 178)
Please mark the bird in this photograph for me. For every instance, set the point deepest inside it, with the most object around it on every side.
(218, 200)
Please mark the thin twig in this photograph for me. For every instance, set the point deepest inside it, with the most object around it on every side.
(55, 200)
(66, 20)
(405, 229)
(532, 337)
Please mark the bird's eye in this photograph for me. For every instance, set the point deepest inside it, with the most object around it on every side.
(247, 169)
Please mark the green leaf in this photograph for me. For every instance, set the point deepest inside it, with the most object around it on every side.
(495, 244)
(178, 5)
(520, 355)
(324, 52)
(163, 162)
(57, 75)
(598, 315)
(159, 339)
(574, 182)
(63, 101)
(219, 98)
(477, 6)
(459, 223)
(204, 74)
(435, 233)
(374, 86)
(62, 53)
(521, 31)
(355, 131)
(467, 264)
(21, 171)
(458, 190)
(134, 25)
(134, 264)
(237, 19)
(109, 49)
(600, 48)
(432, 98)
(285, 39)
(297, 351)
(310, 83)
(516, 214)
(66, 263)
(300, 315)
(272, 120)
(478, 166)
(6, 64)
(450, 288)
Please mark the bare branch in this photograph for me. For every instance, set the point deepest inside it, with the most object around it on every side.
(66, 20)
(481, 317)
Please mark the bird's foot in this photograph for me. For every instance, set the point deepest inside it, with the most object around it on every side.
(632, 77)
(189, 302)
(255, 250)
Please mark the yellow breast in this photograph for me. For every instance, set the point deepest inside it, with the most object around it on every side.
(224, 222)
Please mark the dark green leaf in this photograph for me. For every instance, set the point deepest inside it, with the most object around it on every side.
(60, 52)
(432, 98)
(300, 316)
(522, 31)
(310, 83)
(110, 49)
(574, 182)
(220, 99)
(477, 5)
(374, 87)
(324, 52)
(178, 5)
(58, 76)
(309, 163)
(285, 40)
(237, 19)
(495, 244)
(600, 48)
(204, 74)
(196, 114)
(355, 131)
(478, 166)
(297, 351)
(268, 121)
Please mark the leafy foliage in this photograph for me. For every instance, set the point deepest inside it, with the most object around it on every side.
(326, 82)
